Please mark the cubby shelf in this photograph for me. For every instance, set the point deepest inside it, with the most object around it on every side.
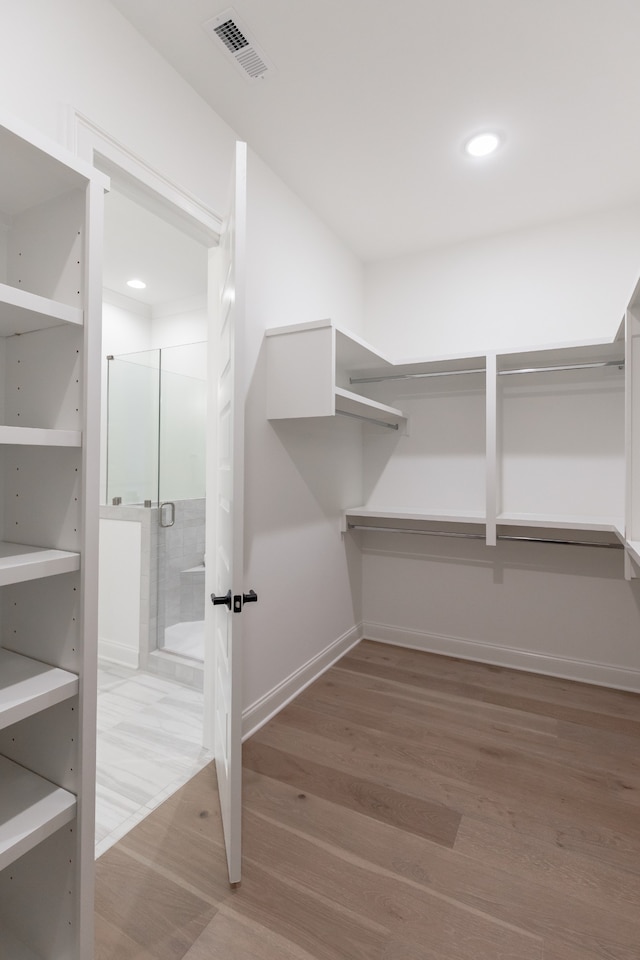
(28, 686)
(20, 562)
(23, 312)
(31, 809)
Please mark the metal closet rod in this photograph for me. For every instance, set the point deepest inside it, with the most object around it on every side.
(457, 373)
(481, 536)
(359, 416)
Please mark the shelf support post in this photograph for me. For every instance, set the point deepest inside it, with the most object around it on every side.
(491, 433)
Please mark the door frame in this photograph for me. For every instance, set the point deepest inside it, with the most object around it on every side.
(160, 195)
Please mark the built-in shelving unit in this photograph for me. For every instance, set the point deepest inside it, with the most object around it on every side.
(50, 210)
(309, 369)
(530, 439)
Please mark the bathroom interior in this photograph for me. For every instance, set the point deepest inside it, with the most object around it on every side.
(152, 512)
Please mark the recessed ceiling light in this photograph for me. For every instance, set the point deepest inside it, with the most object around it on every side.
(482, 144)
(136, 284)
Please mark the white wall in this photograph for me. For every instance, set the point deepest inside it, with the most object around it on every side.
(566, 281)
(299, 476)
(83, 54)
(176, 324)
(562, 610)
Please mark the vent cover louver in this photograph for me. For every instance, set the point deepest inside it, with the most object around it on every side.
(227, 29)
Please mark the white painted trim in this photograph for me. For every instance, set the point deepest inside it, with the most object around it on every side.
(119, 653)
(260, 712)
(583, 671)
(90, 142)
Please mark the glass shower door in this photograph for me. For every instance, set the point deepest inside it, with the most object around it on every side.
(181, 530)
(156, 434)
(133, 435)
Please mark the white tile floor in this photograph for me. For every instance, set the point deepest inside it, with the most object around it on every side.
(186, 639)
(149, 745)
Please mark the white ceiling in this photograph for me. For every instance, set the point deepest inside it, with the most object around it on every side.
(370, 102)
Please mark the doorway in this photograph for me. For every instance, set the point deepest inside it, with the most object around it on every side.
(151, 592)
(156, 458)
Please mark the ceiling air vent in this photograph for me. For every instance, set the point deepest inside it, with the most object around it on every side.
(229, 32)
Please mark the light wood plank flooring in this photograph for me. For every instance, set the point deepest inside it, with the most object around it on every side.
(405, 806)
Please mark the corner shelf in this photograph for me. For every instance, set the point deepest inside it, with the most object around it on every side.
(28, 686)
(31, 809)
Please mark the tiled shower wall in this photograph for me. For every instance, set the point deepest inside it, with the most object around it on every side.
(180, 570)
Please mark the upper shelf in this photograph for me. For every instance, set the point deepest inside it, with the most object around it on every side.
(28, 686)
(415, 515)
(23, 312)
(31, 809)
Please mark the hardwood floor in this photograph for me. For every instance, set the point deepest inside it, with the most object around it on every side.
(405, 806)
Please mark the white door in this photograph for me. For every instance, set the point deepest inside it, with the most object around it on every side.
(225, 497)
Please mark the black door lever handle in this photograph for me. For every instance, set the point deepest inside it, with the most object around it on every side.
(251, 597)
(226, 600)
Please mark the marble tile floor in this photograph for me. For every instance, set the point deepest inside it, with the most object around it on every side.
(149, 744)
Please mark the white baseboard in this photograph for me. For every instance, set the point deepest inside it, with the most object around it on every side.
(585, 671)
(120, 653)
(260, 712)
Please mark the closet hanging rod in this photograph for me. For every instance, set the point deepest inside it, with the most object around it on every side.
(567, 366)
(360, 416)
(415, 376)
(481, 536)
(457, 373)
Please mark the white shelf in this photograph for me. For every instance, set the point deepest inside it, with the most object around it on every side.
(19, 562)
(31, 809)
(416, 516)
(28, 686)
(353, 403)
(40, 437)
(23, 312)
(605, 524)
